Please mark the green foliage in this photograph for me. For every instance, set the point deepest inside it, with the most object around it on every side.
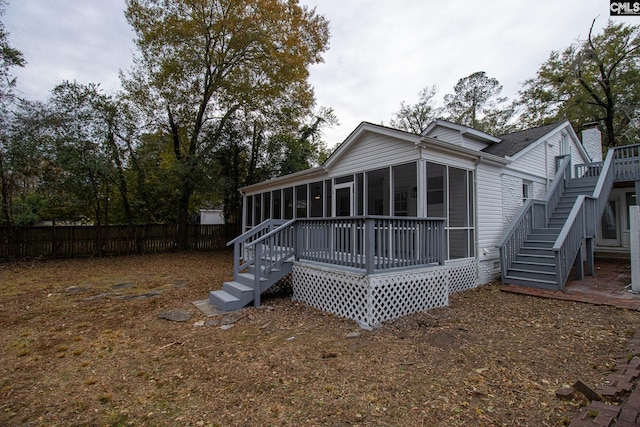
(593, 80)
(415, 118)
(476, 102)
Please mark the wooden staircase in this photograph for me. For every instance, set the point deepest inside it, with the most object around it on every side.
(548, 237)
(262, 256)
(535, 263)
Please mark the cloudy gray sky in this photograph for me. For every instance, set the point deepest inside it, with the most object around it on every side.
(382, 52)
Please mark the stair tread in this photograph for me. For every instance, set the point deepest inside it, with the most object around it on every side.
(224, 296)
(239, 286)
(526, 279)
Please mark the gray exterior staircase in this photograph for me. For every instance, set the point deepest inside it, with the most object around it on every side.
(548, 237)
(262, 257)
(535, 263)
(239, 293)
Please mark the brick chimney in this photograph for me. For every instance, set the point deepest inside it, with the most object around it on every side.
(592, 141)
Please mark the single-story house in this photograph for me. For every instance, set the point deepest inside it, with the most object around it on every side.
(393, 222)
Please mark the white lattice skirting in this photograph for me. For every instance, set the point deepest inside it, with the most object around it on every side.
(463, 274)
(371, 299)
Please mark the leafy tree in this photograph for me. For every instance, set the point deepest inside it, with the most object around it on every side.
(476, 102)
(415, 118)
(202, 61)
(593, 80)
(84, 131)
(10, 57)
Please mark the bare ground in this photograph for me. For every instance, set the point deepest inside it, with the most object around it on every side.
(82, 344)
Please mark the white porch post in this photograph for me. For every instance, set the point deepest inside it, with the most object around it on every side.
(634, 217)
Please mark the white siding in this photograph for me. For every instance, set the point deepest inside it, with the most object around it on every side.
(446, 134)
(373, 151)
(473, 144)
(533, 162)
(490, 226)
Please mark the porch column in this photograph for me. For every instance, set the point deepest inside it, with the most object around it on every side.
(634, 217)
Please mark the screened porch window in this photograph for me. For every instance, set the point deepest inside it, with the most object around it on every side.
(288, 203)
(301, 201)
(405, 182)
(450, 195)
(316, 199)
(378, 192)
(276, 201)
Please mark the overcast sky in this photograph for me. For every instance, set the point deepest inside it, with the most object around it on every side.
(382, 52)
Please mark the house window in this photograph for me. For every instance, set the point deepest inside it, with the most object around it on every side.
(526, 190)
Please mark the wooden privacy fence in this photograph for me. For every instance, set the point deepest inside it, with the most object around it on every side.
(77, 241)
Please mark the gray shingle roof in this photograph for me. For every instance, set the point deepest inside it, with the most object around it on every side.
(512, 143)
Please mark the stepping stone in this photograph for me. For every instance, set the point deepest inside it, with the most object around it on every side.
(176, 315)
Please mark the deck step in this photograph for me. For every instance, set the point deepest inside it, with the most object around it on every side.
(542, 284)
(225, 301)
(538, 267)
(530, 274)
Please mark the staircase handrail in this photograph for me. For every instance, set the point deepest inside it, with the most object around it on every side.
(255, 230)
(582, 220)
(240, 243)
(280, 248)
(600, 196)
(569, 241)
(272, 232)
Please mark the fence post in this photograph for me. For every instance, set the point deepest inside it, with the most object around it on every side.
(634, 217)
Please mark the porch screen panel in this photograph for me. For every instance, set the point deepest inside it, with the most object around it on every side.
(316, 196)
(405, 184)
(458, 198)
(359, 194)
(378, 192)
(276, 201)
(301, 201)
(436, 175)
(257, 211)
(327, 192)
(288, 203)
(266, 206)
(460, 213)
(249, 210)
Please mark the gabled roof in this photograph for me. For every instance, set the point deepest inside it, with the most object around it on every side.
(369, 127)
(462, 129)
(512, 143)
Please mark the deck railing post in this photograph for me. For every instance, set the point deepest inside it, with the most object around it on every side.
(369, 244)
(236, 259)
(256, 275)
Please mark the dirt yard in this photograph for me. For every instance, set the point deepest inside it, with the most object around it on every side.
(83, 344)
